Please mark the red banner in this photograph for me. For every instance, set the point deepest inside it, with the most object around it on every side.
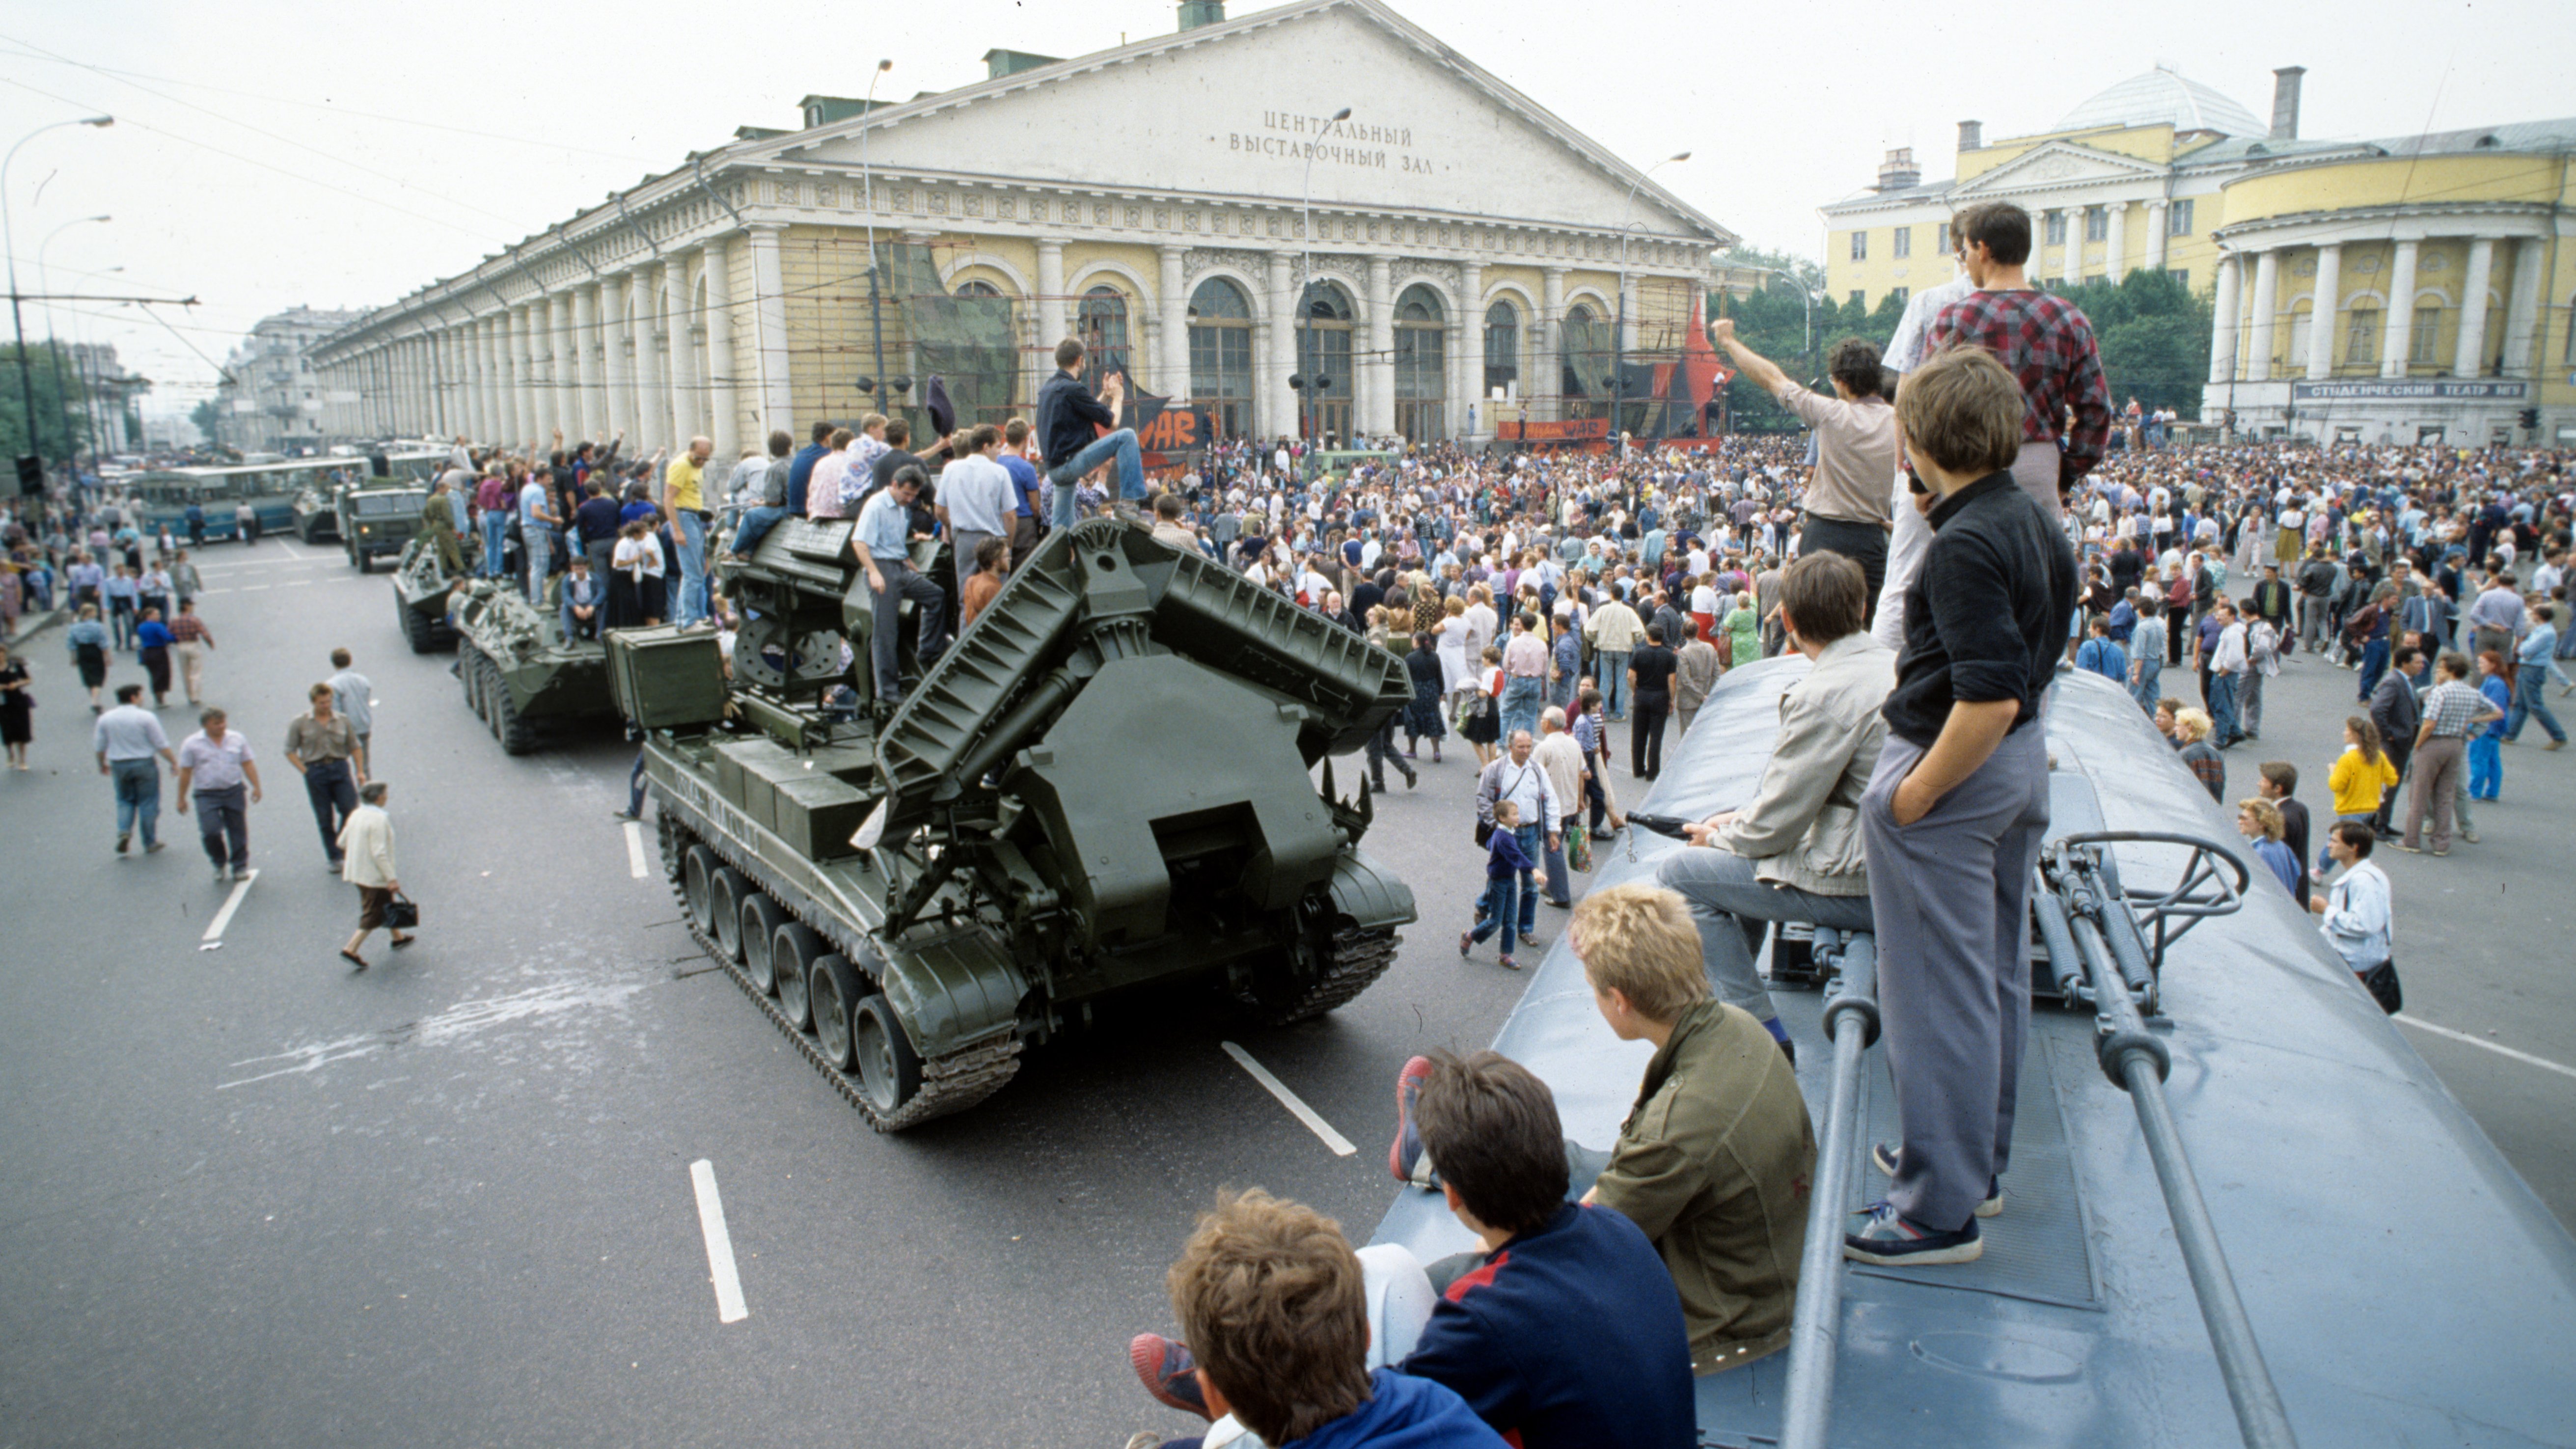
(1565, 431)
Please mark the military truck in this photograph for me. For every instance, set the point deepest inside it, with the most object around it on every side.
(377, 518)
(421, 587)
(521, 675)
(1104, 787)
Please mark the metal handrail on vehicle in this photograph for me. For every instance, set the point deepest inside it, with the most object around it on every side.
(1851, 1022)
(2088, 922)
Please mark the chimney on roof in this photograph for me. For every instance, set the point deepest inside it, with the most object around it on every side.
(1195, 13)
(1898, 172)
(2285, 102)
(1972, 135)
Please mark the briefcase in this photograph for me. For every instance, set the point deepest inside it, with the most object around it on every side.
(402, 913)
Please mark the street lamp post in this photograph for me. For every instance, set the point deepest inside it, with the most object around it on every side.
(8, 239)
(868, 204)
(1618, 329)
(54, 350)
(1303, 322)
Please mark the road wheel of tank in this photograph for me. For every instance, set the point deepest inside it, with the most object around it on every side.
(415, 629)
(724, 911)
(889, 1070)
(510, 727)
(830, 988)
(793, 949)
(469, 670)
(697, 871)
(758, 921)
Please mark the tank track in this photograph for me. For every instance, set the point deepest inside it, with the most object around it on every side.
(1359, 958)
(949, 1083)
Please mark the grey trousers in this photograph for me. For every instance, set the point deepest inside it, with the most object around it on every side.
(1951, 897)
(885, 629)
(1730, 908)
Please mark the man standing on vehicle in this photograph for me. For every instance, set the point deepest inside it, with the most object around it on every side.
(2043, 341)
(1955, 812)
(1847, 504)
(684, 503)
(1068, 416)
(537, 520)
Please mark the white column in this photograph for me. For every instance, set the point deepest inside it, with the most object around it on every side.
(2522, 307)
(2158, 219)
(618, 412)
(1549, 369)
(2399, 335)
(769, 329)
(1172, 341)
(1277, 347)
(675, 337)
(723, 405)
(1467, 357)
(558, 394)
(2223, 318)
(2267, 290)
(1377, 404)
(2471, 360)
(581, 372)
(523, 372)
(2117, 259)
(1055, 316)
(2072, 270)
(643, 331)
(2325, 319)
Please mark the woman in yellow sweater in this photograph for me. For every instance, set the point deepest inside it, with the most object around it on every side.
(2362, 773)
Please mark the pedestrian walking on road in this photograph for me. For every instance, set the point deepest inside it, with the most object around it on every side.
(17, 708)
(322, 746)
(366, 847)
(219, 772)
(189, 641)
(354, 698)
(2486, 747)
(88, 641)
(127, 739)
(2451, 710)
(152, 647)
(2532, 657)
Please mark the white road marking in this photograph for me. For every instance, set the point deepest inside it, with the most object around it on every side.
(215, 930)
(295, 583)
(729, 1304)
(1296, 1106)
(2544, 1063)
(635, 849)
(253, 588)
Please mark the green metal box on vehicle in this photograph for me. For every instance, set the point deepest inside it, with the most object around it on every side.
(667, 678)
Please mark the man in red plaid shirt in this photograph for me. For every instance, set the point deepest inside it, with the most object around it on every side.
(2040, 338)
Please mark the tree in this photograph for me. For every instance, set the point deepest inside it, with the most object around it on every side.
(62, 420)
(202, 417)
(2155, 339)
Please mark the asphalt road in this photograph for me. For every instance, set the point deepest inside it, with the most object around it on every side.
(255, 1197)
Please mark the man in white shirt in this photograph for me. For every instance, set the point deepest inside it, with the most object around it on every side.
(2226, 676)
(2356, 908)
(976, 499)
(1912, 534)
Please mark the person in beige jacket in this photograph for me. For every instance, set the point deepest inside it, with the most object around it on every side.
(367, 862)
(1794, 852)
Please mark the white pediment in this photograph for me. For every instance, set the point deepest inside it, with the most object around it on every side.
(2055, 166)
(1228, 110)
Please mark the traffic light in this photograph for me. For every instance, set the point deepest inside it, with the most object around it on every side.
(2531, 419)
(31, 475)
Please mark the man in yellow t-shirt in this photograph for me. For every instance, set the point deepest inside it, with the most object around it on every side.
(685, 507)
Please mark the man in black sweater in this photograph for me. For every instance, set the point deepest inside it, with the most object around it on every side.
(1067, 417)
(1954, 815)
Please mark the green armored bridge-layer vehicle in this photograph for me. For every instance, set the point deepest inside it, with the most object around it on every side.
(1104, 786)
(521, 675)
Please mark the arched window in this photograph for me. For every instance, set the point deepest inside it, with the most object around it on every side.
(1502, 347)
(1584, 363)
(977, 288)
(1102, 326)
(1221, 355)
(1421, 376)
(1324, 352)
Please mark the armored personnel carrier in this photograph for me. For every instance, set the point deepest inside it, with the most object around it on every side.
(1102, 787)
(521, 675)
(421, 586)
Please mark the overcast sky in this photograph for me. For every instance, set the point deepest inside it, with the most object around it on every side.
(272, 154)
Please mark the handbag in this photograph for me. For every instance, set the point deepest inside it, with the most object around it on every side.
(1484, 834)
(402, 913)
(1578, 847)
(2382, 983)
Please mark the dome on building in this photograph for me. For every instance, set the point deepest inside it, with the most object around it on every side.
(2163, 94)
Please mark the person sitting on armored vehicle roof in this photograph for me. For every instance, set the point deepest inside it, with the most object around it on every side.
(1793, 852)
(883, 544)
(1562, 1329)
(1281, 1311)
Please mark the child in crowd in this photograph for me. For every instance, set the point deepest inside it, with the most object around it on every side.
(1504, 862)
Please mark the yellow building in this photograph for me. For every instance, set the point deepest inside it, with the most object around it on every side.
(2464, 227)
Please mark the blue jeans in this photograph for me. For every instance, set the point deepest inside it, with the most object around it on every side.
(756, 524)
(2486, 766)
(2222, 710)
(689, 531)
(2530, 698)
(1120, 445)
(1610, 670)
(1521, 705)
(1495, 908)
(2148, 689)
(495, 528)
(138, 797)
(2374, 663)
